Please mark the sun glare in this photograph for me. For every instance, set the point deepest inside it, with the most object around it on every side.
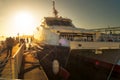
(24, 23)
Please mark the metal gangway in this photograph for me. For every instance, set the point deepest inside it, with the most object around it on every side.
(10, 67)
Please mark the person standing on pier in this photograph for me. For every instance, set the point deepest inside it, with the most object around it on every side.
(9, 46)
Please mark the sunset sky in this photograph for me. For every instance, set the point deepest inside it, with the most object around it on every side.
(22, 16)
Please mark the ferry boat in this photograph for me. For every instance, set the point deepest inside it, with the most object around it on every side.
(73, 53)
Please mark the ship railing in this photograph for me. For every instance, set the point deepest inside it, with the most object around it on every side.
(13, 66)
(94, 45)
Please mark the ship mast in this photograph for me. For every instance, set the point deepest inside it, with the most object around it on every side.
(55, 12)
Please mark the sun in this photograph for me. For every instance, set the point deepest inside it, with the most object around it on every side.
(24, 22)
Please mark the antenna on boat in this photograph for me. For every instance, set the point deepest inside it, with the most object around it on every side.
(55, 12)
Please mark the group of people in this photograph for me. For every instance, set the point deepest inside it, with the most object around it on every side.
(10, 42)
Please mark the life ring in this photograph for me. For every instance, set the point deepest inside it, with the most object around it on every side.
(55, 66)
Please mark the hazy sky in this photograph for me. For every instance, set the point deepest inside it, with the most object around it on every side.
(84, 13)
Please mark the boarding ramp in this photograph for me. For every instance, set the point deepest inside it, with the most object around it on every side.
(12, 65)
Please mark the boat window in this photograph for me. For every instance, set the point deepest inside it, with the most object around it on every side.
(59, 22)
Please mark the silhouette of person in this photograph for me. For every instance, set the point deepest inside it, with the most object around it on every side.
(9, 45)
(27, 40)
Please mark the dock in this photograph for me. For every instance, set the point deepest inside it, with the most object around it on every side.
(22, 65)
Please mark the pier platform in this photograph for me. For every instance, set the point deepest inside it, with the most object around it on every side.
(32, 68)
(22, 65)
(6, 68)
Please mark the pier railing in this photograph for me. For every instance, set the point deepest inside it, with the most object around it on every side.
(17, 61)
